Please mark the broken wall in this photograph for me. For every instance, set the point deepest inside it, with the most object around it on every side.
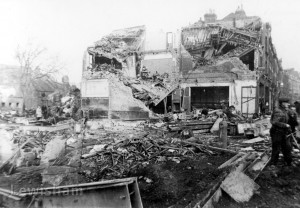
(161, 39)
(162, 63)
(110, 98)
(122, 103)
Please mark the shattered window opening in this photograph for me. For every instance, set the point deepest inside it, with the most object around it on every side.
(248, 59)
(209, 97)
(101, 60)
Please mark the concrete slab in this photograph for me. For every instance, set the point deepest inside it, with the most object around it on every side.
(239, 186)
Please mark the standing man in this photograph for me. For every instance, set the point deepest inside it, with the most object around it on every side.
(279, 131)
(293, 122)
(297, 105)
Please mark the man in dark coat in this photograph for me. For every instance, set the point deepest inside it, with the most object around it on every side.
(293, 122)
(279, 131)
(297, 105)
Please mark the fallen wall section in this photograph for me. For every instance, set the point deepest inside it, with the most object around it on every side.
(122, 103)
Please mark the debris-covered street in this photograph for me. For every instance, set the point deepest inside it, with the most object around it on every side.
(201, 116)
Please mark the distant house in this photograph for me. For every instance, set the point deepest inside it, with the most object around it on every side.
(16, 97)
(291, 84)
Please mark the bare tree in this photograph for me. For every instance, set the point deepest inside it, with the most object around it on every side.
(35, 64)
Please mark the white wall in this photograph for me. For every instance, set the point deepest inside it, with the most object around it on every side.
(95, 88)
(156, 39)
(162, 63)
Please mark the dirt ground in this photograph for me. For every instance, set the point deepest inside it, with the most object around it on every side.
(178, 184)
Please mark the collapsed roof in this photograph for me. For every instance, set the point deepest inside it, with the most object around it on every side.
(120, 43)
(209, 43)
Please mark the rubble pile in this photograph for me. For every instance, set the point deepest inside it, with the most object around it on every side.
(160, 154)
(117, 160)
(101, 71)
(32, 149)
(121, 42)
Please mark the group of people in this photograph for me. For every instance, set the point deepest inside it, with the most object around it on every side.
(53, 113)
(42, 112)
(284, 123)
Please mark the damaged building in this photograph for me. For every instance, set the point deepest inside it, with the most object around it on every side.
(112, 86)
(209, 64)
(231, 61)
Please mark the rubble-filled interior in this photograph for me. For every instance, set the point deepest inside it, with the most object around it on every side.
(210, 43)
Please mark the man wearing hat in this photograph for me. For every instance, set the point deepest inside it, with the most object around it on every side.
(279, 131)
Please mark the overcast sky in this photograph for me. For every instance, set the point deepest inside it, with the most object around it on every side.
(67, 27)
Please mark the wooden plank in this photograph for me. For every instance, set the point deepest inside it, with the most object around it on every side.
(210, 147)
(47, 128)
(297, 145)
(214, 199)
(107, 182)
(196, 127)
(257, 166)
(215, 193)
(255, 140)
(189, 123)
(137, 202)
(9, 195)
(231, 160)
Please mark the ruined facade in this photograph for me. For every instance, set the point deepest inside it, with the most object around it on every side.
(231, 61)
(111, 87)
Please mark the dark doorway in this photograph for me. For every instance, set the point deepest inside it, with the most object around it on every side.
(160, 107)
(209, 97)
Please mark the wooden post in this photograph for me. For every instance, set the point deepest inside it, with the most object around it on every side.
(223, 133)
(165, 105)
